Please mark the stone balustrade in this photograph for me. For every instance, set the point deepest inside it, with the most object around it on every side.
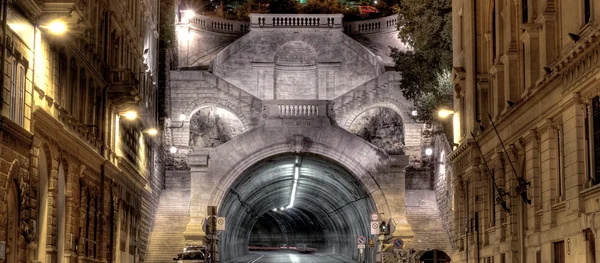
(295, 108)
(219, 25)
(384, 24)
(296, 20)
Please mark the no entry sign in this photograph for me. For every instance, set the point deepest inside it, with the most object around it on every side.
(361, 240)
(398, 243)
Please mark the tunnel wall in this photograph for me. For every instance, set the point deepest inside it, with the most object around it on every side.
(214, 170)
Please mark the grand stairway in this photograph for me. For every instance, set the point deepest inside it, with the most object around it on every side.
(172, 215)
(425, 219)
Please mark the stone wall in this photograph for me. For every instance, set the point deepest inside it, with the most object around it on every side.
(443, 180)
(342, 64)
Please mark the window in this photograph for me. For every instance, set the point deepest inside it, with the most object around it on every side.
(17, 93)
(559, 165)
(559, 252)
(587, 11)
(492, 200)
(524, 11)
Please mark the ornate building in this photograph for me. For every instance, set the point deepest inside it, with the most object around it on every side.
(78, 180)
(526, 93)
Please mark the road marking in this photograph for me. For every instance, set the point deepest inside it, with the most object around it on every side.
(261, 256)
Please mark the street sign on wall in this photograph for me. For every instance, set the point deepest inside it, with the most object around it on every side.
(361, 240)
(374, 217)
(220, 223)
(374, 227)
(398, 243)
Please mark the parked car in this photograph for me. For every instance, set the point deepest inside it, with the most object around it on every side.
(193, 254)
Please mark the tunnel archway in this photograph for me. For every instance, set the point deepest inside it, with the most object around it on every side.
(330, 208)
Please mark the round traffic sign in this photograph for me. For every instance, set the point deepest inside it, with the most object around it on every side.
(398, 243)
(361, 240)
(375, 225)
(221, 221)
(374, 217)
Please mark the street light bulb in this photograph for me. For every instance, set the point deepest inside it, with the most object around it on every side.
(428, 151)
(130, 115)
(414, 113)
(443, 113)
(173, 149)
(182, 117)
(152, 131)
(57, 27)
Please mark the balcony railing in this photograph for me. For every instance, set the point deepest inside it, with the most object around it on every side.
(124, 88)
(296, 108)
(384, 24)
(220, 25)
(296, 20)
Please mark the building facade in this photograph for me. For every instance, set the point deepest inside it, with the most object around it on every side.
(526, 125)
(78, 182)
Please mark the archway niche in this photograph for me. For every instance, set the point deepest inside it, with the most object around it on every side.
(383, 127)
(330, 207)
(212, 126)
(61, 213)
(42, 198)
(12, 222)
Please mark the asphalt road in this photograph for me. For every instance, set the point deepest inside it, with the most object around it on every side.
(291, 257)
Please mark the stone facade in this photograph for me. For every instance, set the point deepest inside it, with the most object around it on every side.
(77, 184)
(297, 85)
(529, 65)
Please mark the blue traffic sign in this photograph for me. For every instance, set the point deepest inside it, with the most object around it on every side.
(361, 240)
(398, 243)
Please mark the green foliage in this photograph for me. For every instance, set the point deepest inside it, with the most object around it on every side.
(167, 23)
(426, 25)
(321, 7)
(283, 7)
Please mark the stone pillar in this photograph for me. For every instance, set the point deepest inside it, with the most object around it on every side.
(530, 38)
(574, 147)
(393, 186)
(511, 78)
(548, 44)
(498, 92)
(201, 190)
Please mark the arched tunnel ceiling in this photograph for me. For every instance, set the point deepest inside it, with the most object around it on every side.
(331, 205)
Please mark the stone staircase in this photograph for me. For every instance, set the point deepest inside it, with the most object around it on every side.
(425, 219)
(172, 215)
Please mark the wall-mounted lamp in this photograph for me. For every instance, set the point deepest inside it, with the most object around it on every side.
(444, 113)
(151, 131)
(56, 27)
(173, 149)
(428, 151)
(130, 115)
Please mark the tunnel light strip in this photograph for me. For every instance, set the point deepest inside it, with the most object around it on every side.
(296, 177)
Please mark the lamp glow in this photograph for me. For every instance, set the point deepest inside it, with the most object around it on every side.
(414, 113)
(152, 131)
(274, 209)
(182, 117)
(57, 27)
(428, 151)
(130, 115)
(443, 113)
(173, 149)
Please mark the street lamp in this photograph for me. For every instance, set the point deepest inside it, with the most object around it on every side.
(444, 113)
(57, 27)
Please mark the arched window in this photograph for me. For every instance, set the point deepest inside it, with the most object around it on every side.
(60, 214)
(42, 205)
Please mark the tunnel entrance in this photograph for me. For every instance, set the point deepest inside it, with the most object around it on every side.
(298, 201)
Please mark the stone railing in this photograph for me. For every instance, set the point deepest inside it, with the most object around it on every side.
(296, 20)
(384, 24)
(295, 108)
(220, 25)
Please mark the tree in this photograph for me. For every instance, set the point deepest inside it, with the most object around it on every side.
(321, 7)
(283, 7)
(426, 25)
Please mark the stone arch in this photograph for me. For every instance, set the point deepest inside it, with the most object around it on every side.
(362, 173)
(12, 220)
(204, 102)
(296, 53)
(392, 104)
(62, 187)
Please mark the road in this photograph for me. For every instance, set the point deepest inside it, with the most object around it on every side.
(291, 257)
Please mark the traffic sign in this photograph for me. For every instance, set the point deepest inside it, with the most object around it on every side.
(220, 223)
(398, 243)
(374, 227)
(374, 217)
(361, 246)
(371, 243)
(361, 240)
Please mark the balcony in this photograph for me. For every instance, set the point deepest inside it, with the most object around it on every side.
(123, 88)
